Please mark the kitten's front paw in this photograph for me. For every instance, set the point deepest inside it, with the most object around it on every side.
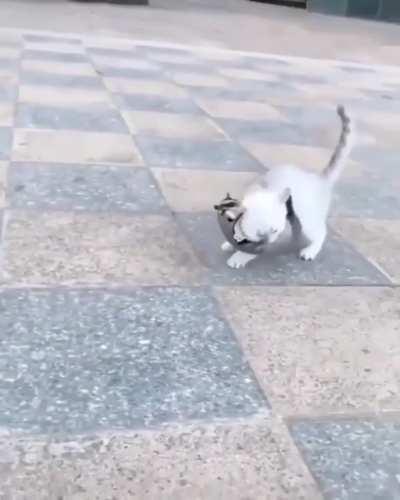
(239, 259)
(308, 253)
(226, 246)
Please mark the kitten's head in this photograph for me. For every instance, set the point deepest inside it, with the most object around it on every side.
(263, 216)
(230, 208)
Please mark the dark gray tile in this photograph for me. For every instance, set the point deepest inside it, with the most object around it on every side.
(89, 118)
(110, 52)
(5, 142)
(367, 199)
(51, 39)
(230, 94)
(141, 102)
(75, 361)
(48, 55)
(270, 130)
(136, 74)
(96, 188)
(74, 81)
(338, 263)
(8, 92)
(210, 155)
(352, 460)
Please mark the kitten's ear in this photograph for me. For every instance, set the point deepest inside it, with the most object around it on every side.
(284, 195)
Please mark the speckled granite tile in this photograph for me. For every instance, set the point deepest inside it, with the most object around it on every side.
(337, 264)
(97, 188)
(144, 102)
(95, 118)
(33, 37)
(320, 349)
(5, 142)
(352, 459)
(72, 81)
(97, 249)
(377, 239)
(271, 130)
(210, 155)
(48, 55)
(3, 182)
(132, 73)
(224, 461)
(101, 360)
(111, 52)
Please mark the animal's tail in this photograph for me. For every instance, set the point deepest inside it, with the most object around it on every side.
(339, 157)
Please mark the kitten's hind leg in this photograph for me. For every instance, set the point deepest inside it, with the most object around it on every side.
(315, 231)
(226, 247)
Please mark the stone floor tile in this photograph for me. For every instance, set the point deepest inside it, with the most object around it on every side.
(338, 263)
(62, 96)
(93, 118)
(58, 47)
(5, 142)
(363, 199)
(38, 38)
(94, 249)
(196, 79)
(112, 52)
(352, 459)
(106, 360)
(8, 86)
(198, 190)
(72, 68)
(3, 183)
(182, 59)
(210, 155)
(170, 125)
(129, 72)
(98, 188)
(144, 87)
(131, 62)
(247, 74)
(225, 461)
(49, 55)
(10, 52)
(63, 80)
(312, 157)
(239, 109)
(6, 114)
(320, 349)
(378, 240)
(152, 102)
(74, 147)
(225, 94)
(275, 131)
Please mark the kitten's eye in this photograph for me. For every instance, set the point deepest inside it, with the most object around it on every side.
(273, 231)
(230, 216)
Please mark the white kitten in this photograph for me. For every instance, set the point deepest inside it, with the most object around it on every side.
(289, 192)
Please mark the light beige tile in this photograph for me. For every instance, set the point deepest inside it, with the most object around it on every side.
(172, 58)
(66, 96)
(195, 79)
(248, 74)
(6, 114)
(313, 158)
(197, 190)
(141, 86)
(241, 110)
(320, 349)
(97, 249)
(172, 125)
(3, 183)
(255, 459)
(73, 146)
(123, 62)
(57, 67)
(377, 240)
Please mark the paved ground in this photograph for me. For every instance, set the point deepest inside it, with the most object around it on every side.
(133, 362)
(215, 23)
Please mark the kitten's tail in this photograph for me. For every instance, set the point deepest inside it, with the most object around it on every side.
(339, 157)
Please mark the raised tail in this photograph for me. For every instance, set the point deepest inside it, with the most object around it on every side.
(339, 157)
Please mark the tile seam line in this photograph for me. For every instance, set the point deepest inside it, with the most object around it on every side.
(186, 47)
